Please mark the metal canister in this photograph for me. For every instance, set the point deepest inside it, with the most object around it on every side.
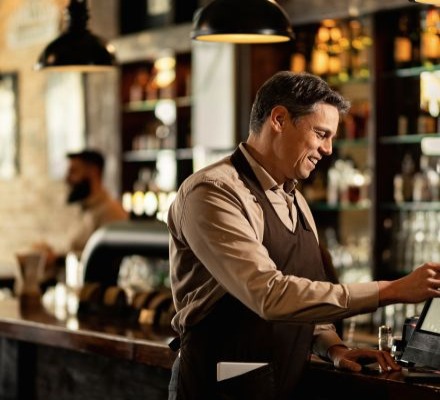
(397, 348)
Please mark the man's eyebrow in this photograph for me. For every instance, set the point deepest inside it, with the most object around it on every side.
(323, 129)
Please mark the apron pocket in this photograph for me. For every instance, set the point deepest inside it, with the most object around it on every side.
(258, 384)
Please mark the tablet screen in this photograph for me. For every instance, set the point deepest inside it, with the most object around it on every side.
(431, 322)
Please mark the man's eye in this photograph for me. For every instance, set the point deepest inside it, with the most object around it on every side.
(319, 133)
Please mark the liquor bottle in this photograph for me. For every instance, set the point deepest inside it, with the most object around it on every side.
(428, 118)
(430, 36)
(403, 45)
(361, 114)
(320, 56)
(404, 181)
(333, 179)
(139, 85)
(360, 44)
(298, 60)
(421, 182)
(426, 122)
(334, 52)
(408, 167)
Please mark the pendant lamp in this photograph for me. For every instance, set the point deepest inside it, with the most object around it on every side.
(242, 21)
(429, 2)
(77, 49)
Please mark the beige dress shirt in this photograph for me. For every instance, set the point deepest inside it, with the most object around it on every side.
(96, 212)
(217, 227)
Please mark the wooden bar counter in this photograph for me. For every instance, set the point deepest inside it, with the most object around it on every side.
(51, 356)
(47, 355)
(324, 382)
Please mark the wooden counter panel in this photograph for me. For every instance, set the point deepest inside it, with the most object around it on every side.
(79, 341)
(103, 336)
(55, 373)
(155, 355)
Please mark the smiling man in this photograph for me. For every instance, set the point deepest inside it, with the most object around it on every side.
(248, 280)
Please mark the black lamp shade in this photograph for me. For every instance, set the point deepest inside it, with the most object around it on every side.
(77, 49)
(242, 21)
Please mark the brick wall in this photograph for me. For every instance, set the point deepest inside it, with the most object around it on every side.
(32, 206)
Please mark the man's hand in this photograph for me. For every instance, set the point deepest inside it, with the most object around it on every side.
(350, 359)
(420, 285)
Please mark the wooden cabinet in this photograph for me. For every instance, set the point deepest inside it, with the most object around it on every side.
(391, 224)
(407, 174)
(394, 86)
(339, 190)
(156, 112)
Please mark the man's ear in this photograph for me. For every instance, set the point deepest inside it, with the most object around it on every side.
(278, 117)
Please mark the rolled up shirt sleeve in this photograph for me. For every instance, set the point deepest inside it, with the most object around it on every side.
(324, 337)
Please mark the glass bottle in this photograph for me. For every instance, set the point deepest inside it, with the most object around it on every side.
(320, 56)
(403, 47)
(421, 184)
(298, 60)
(426, 123)
(385, 338)
(430, 36)
(334, 52)
(404, 181)
(360, 44)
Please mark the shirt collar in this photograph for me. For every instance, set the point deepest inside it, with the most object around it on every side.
(264, 178)
(290, 186)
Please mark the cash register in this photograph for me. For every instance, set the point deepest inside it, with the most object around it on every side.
(422, 352)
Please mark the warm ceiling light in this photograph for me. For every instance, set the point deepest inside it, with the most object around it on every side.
(432, 2)
(242, 21)
(77, 49)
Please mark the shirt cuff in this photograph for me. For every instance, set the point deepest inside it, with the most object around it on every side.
(324, 340)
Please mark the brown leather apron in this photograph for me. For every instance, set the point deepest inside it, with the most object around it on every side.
(232, 332)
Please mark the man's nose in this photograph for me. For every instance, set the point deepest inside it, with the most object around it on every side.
(326, 147)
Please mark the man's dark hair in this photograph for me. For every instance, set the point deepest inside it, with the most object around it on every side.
(299, 93)
(91, 157)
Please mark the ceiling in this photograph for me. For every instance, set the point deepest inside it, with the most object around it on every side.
(302, 11)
